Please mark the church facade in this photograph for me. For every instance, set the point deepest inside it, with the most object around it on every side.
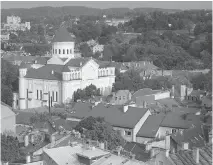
(62, 75)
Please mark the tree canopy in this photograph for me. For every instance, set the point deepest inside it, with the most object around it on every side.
(9, 81)
(10, 150)
(99, 129)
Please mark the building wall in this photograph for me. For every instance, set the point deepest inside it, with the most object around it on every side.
(161, 158)
(163, 95)
(120, 99)
(139, 125)
(122, 133)
(143, 140)
(59, 47)
(8, 124)
(32, 85)
(48, 160)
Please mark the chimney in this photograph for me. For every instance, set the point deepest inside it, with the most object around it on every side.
(196, 155)
(148, 146)
(173, 91)
(52, 140)
(26, 140)
(28, 158)
(152, 152)
(125, 108)
(144, 104)
(167, 142)
(167, 153)
(185, 145)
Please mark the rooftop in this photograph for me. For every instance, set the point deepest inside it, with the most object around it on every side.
(144, 92)
(175, 120)
(151, 126)
(67, 155)
(184, 157)
(6, 111)
(62, 35)
(119, 119)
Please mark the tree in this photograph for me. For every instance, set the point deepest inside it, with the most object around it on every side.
(9, 81)
(10, 150)
(86, 93)
(98, 129)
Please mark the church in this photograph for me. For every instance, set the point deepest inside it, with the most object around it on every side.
(62, 75)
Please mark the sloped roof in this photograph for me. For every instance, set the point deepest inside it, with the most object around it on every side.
(80, 110)
(76, 62)
(62, 35)
(197, 93)
(45, 72)
(115, 115)
(144, 92)
(138, 149)
(194, 136)
(151, 126)
(66, 69)
(184, 157)
(6, 111)
(41, 60)
(174, 120)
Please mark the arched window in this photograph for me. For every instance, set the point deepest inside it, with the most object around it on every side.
(111, 71)
(55, 51)
(107, 72)
(75, 75)
(67, 51)
(70, 51)
(63, 51)
(59, 51)
(78, 75)
(104, 73)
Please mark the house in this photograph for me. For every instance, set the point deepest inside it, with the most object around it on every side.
(125, 119)
(98, 48)
(150, 129)
(8, 119)
(206, 101)
(5, 37)
(196, 156)
(196, 95)
(173, 123)
(80, 154)
(121, 97)
(14, 24)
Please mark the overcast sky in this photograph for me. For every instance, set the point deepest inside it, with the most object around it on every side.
(112, 4)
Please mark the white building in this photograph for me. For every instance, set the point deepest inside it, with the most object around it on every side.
(62, 75)
(98, 48)
(14, 23)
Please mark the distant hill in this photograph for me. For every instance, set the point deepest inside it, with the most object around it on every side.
(74, 11)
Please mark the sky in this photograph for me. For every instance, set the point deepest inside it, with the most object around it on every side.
(184, 5)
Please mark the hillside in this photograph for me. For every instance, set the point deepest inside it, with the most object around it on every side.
(48, 11)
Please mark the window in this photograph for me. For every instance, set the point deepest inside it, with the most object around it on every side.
(37, 94)
(41, 94)
(128, 133)
(67, 51)
(107, 72)
(174, 130)
(55, 51)
(119, 97)
(56, 96)
(124, 97)
(160, 163)
(63, 51)
(70, 51)
(27, 93)
(59, 51)
(53, 95)
(115, 98)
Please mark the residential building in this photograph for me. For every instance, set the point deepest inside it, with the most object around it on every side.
(121, 97)
(116, 22)
(62, 75)
(98, 48)
(8, 119)
(5, 37)
(14, 24)
(206, 101)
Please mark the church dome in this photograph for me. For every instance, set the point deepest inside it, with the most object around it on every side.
(62, 35)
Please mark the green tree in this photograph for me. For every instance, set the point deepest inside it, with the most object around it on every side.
(98, 129)
(10, 150)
